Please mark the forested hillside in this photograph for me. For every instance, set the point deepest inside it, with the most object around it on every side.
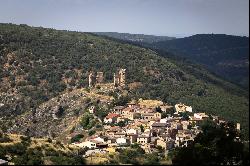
(37, 64)
(225, 55)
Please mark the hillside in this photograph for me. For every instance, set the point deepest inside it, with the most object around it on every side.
(39, 64)
(225, 55)
(22, 150)
(138, 38)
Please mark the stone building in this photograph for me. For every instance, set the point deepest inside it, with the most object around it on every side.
(120, 79)
(98, 78)
(95, 78)
(91, 79)
(182, 108)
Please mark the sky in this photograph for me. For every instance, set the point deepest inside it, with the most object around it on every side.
(177, 18)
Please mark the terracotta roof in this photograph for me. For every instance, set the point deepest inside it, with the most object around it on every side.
(119, 107)
(111, 115)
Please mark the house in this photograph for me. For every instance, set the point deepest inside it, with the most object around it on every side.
(92, 109)
(164, 120)
(197, 121)
(120, 119)
(132, 131)
(118, 109)
(132, 104)
(100, 144)
(158, 125)
(99, 139)
(112, 130)
(182, 108)
(132, 138)
(3, 162)
(122, 141)
(111, 118)
(145, 110)
(166, 143)
(119, 134)
(89, 144)
(151, 116)
(200, 116)
(176, 125)
(183, 140)
(111, 141)
(185, 124)
(143, 139)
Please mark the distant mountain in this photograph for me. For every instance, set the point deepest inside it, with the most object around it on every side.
(225, 55)
(39, 65)
(137, 38)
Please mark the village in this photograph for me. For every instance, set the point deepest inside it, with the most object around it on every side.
(142, 122)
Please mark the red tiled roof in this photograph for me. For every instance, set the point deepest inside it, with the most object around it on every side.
(111, 115)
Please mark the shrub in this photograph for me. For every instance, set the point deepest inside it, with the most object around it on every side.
(91, 132)
(76, 138)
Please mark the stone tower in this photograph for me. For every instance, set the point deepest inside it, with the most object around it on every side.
(122, 78)
(91, 76)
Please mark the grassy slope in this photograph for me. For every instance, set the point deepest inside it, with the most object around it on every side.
(49, 55)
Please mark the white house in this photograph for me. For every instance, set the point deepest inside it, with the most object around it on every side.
(111, 117)
(200, 115)
(121, 140)
(143, 139)
(99, 139)
(88, 144)
(163, 120)
(132, 131)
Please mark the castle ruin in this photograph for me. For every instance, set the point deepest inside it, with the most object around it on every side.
(97, 78)
(119, 78)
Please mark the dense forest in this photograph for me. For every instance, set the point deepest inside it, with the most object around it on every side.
(225, 55)
(37, 64)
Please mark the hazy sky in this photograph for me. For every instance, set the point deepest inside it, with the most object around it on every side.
(158, 17)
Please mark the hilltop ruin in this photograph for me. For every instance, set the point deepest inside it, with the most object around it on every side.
(119, 79)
